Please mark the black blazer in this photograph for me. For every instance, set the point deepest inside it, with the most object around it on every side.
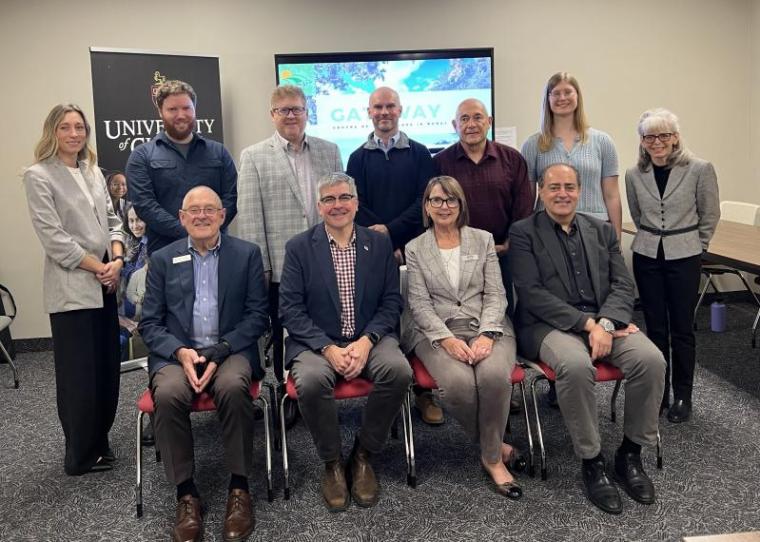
(167, 316)
(543, 284)
(309, 301)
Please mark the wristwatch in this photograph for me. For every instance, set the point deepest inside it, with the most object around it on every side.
(491, 335)
(119, 257)
(607, 325)
(373, 337)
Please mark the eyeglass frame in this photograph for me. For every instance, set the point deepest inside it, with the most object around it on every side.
(205, 211)
(329, 201)
(298, 111)
(448, 202)
(652, 137)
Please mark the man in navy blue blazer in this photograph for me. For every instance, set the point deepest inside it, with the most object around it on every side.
(340, 303)
(205, 308)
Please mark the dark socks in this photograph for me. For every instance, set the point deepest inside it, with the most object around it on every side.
(239, 482)
(628, 446)
(187, 488)
(588, 462)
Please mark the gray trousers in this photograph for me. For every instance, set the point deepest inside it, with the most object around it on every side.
(477, 396)
(568, 354)
(173, 396)
(315, 380)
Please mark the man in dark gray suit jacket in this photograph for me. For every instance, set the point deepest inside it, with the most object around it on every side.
(340, 303)
(575, 301)
(205, 308)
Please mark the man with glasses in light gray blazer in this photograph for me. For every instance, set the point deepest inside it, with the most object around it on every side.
(277, 195)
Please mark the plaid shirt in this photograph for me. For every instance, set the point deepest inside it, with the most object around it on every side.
(344, 260)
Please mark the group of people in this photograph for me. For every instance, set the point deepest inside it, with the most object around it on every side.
(318, 254)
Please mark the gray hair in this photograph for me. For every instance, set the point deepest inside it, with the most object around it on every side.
(202, 188)
(666, 121)
(336, 178)
(555, 164)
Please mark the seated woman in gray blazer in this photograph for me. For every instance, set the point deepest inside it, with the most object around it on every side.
(81, 235)
(673, 199)
(460, 331)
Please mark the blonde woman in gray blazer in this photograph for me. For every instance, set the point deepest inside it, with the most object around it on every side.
(460, 331)
(81, 236)
(674, 202)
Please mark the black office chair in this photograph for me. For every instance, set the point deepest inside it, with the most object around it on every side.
(5, 321)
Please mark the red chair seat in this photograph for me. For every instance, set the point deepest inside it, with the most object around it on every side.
(344, 389)
(424, 380)
(605, 372)
(201, 403)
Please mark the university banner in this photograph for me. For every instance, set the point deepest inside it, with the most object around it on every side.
(124, 85)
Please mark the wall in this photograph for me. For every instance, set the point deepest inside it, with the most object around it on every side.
(689, 55)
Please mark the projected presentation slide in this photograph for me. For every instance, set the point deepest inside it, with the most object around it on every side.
(430, 89)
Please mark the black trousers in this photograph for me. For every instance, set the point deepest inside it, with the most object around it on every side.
(277, 334)
(506, 278)
(668, 292)
(86, 353)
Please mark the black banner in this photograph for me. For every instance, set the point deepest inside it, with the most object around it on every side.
(123, 88)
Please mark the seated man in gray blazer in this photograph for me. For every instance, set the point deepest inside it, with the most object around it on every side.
(575, 301)
(205, 308)
(340, 303)
(277, 196)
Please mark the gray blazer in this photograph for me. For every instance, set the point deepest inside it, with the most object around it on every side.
(543, 283)
(431, 299)
(271, 206)
(69, 229)
(691, 197)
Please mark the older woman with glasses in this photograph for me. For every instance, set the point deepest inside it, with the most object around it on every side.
(673, 199)
(460, 331)
(73, 216)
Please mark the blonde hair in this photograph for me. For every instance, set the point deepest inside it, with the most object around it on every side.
(286, 91)
(47, 146)
(546, 139)
(451, 188)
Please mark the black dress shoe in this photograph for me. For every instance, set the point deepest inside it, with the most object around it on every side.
(629, 473)
(600, 489)
(147, 437)
(680, 411)
(108, 456)
(101, 465)
(516, 462)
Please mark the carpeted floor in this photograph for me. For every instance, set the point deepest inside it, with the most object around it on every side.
(709, 483)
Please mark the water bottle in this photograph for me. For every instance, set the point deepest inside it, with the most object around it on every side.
(718, 316)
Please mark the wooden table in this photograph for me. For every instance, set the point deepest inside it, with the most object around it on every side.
(734, 244)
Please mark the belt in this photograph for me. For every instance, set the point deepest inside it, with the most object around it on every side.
(666, 233)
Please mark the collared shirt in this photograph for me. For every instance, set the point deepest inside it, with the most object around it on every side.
(595, 160)
(205, 330)
(497, 188)
(581, 290)
(391, 142)
(344, 261)
(300, 162)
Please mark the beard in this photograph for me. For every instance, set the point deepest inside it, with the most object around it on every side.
(173, 133)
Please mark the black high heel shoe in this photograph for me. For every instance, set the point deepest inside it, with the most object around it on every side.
(511, 490)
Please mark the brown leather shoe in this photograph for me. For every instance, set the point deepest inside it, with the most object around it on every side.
(364, 487)
(188, 524)
(239, 520)
(334, 488)
(431, 413)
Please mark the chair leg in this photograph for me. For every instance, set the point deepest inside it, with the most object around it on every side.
(268, 446)
(274, 401)
(708, 281)
(750, 290)
(531, 465)
(283, 436)
(613, 401)
(406, 418)
(539, 432)
(11, 364)
(138, 466)
(659, 450)
(754, 329)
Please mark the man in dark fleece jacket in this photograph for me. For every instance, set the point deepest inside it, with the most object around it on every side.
(391, 172)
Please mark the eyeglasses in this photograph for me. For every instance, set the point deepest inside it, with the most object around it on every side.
(557, 94)
(329, 201)
(451, 202)
(197, 211)
(285, 111)
(649, 138)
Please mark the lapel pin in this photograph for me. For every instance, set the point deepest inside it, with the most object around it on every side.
(366, 248)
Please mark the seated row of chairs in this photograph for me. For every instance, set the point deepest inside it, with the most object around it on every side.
(358, 388)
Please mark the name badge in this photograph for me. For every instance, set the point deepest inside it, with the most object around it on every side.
(180, 259)
(470, 257)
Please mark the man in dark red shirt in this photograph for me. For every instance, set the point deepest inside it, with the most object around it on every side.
(494, 178)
